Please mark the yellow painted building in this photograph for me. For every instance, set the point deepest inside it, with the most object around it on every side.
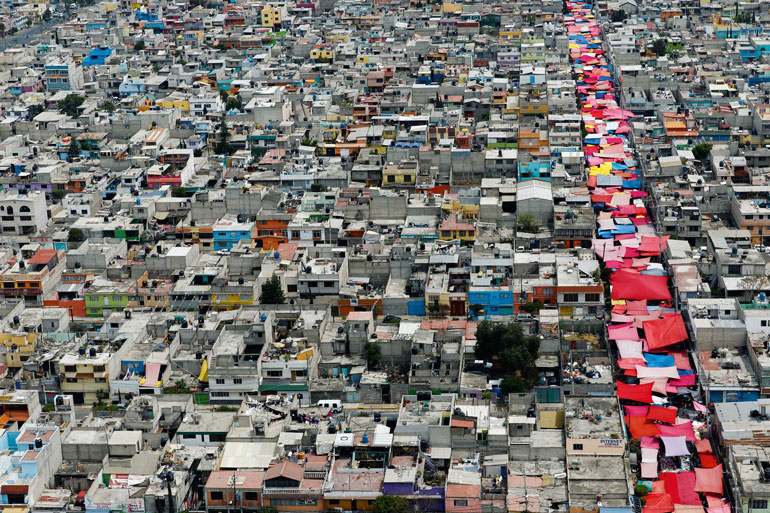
(18, 348)
(174, 103)
(85, 377)
(450, 8)
(395, 175)
(227, 301)
(322, 54)
(271, 16)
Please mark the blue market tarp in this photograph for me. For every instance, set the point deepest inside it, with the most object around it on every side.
(659, 360)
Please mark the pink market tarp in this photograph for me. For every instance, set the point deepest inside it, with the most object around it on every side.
(664, 332)
(678, 430)
(636, 411)
(675, 446)
(623, 332)
(656, 372)
(658, 384)
(703, 446)
(649, 469)
(630, 349)
(685, 482)
(630, 285)
(709, 480)
(649, 455)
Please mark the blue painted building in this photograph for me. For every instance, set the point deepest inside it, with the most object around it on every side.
(495, 300)
(535, 169)
(97, 57)
(228, 233)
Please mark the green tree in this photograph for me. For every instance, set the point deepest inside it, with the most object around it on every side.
(512, 385)
(701, 151)
(47, 15)
(69, 105)
(618, 16)
(507, 344)
(108, 106)
(13, 30)
(272, 292)
(179, 192)
(34, 110)
(373, 354)
(76, 235)
(659, 46)
(139, 46)
(527, 223)
(532, 306)
(391, 504)
(223, 146)
(58, 194)
(73, 151)
(234, 102)
(475, 309)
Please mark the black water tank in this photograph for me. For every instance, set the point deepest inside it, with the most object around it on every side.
(38, 443)
(92, 352)
(423, 396)
(378, 417)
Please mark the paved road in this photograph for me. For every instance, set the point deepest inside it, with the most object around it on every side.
(30, 35)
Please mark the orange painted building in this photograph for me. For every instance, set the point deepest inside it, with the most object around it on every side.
(272, 230)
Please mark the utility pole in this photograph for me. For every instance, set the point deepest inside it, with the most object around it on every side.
(168, 477)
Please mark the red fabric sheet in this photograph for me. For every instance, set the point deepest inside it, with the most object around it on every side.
(630, 285)
(667, 415)
(658, 503)
(653, 244)
(640, 427)
(664, 332)
(638, 393)
(708, 461)
(709, 480)
(670, 482)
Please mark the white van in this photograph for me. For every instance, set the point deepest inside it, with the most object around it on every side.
(335, 405)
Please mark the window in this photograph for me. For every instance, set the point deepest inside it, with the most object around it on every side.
(251, 496)
(70, 368)
(220, 381)
(763, 324)
(592, 298)
(237, 381)
(294, 234)
(328, 284)
(98, 368)
(217, 496)
(72, 380)
(571, 298)
(274, 374)
(220, 394)
(577, 447)
(117, 299)
(283, 502)
(100, 380)
(758, 504)
(391, 178)
(548, 292)
(317, 234)
(461, 502)
(291, 288)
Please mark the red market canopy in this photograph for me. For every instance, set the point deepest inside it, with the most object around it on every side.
(638, 393)
(667, 415)
(631, 285)
(664, 332)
